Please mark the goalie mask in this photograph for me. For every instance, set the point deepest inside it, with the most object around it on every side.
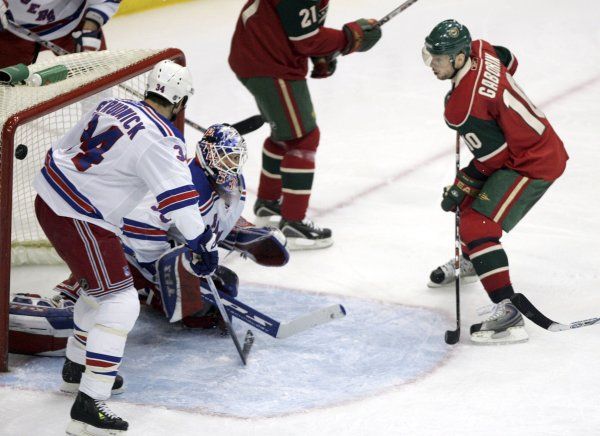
(222, 152)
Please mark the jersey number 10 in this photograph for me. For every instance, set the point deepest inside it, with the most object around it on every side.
(529, 114)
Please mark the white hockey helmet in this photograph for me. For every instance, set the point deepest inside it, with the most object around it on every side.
(171, 81)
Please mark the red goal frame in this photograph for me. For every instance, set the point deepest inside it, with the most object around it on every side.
(6, 165)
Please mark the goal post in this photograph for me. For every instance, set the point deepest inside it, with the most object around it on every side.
(36, 117)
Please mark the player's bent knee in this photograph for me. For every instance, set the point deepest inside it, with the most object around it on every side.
(475, 226)
(308, 142)
(118, 311)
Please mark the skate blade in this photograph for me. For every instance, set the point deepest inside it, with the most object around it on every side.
(463, 281)
(299, 244)
(78, 428)
(513, 335)
(73, 388)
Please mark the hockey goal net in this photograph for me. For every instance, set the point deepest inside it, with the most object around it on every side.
(31, 120)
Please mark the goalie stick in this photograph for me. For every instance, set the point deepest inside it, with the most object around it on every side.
(248, 340)
(243, 127)
(268, 325)
(532, 313)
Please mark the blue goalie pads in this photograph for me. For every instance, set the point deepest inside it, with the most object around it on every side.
(264, 245)
(39, 325)
(179, 288)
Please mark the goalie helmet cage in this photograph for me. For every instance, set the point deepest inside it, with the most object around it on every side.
(38, 116)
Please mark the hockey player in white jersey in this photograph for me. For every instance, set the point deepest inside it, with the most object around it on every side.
(74, 25)
(95, 175)
(39, 325)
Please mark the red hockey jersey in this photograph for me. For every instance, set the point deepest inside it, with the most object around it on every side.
(500, 125)
(274, 38)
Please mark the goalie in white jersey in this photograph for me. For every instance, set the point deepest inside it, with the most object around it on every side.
(94, 176)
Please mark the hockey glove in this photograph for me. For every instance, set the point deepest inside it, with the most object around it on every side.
(361, 35)
(464, 186)
(88, 39)
(204, 257)
(323, 67)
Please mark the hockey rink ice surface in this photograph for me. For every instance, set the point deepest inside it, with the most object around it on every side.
(384, 157)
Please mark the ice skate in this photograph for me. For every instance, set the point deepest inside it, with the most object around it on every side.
(267, 212)
(504, 326)
(444, 274)
(71, 374)
(91, 417)
(305, 235)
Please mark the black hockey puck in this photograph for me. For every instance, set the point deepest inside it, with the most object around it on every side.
(21, 151)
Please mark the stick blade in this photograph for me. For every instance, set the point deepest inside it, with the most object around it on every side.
(313, 319)
(452, 336)
(249, 124)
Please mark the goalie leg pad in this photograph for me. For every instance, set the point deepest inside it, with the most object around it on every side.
(39, 325)
(178, 288)
(226, 281)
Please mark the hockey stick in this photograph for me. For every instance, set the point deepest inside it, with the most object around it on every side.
(243, 127)
(396, 11)
(248, 340)
(387, 18)
(268, 325)
(452, 336)
(532, 313)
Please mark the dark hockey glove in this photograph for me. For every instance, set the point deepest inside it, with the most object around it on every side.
(264, 245)
(204, 257)
(87, 39)
(464, 186)
(323, 67)
(361, 35)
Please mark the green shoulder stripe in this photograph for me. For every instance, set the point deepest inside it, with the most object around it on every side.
(504, 55)
(300, 18)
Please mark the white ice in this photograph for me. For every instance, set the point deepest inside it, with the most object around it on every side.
(385, 154)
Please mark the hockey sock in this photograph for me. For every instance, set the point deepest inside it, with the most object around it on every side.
(269, 187)
(482, 238)
(297, 174)
(115, 317)
(491, 264)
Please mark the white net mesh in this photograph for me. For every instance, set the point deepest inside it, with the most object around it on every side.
(28, 243)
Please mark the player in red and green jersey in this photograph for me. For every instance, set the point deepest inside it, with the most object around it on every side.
(269, 53)
(517, 156)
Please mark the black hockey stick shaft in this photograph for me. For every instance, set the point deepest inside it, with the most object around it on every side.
(533, 314)
(396, 11)
(452, 336)
(248, 340)
(243, 127)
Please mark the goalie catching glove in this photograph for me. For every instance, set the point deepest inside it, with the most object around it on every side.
(264, 245)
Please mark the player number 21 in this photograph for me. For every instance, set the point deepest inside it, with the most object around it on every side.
(309, 17)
